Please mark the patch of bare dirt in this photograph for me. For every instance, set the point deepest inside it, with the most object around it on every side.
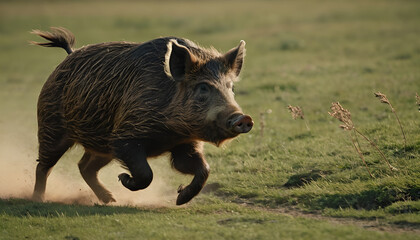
(374, 225)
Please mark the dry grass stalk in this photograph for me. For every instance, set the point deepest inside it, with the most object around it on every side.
(392, 168)
(360, 155)
(262, 121)
(418, 100)
(382, 97)
(344, 116)
(262, 124)
(298, 113)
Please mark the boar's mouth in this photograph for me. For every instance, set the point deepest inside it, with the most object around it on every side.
(235, 125)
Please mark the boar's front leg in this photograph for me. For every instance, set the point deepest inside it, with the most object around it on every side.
(189, 159)
(133, 156)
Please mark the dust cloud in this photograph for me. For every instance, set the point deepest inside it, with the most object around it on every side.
(65, 184)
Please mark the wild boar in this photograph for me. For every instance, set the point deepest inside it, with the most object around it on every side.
(134, 101)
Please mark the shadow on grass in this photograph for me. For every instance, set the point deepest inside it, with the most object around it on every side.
(301, 136)
(26, 208)
(399, 151)
(378, 197)
(301, 179)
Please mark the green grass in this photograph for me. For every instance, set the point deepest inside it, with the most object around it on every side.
(209, 220)
(305, 53)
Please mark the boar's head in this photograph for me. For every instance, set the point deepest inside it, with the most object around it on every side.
(204, 105)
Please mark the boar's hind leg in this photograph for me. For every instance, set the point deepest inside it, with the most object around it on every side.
(189, 159)
(89, 166)
(133, 156)
(51, 148)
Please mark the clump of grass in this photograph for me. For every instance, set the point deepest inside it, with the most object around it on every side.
(418, 100)
(344, 116)
(382, 97)
(298, 113)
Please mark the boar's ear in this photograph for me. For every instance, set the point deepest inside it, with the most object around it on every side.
(178, 60)
(235, 58)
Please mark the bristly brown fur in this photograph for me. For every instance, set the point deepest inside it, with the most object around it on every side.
(132, 101)
(99, 107)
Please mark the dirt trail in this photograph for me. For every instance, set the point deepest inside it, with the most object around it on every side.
(374, 225)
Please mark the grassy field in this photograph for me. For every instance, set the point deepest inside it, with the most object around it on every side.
(286, 179)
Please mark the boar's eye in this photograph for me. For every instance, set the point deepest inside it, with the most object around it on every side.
(203, 88)
(202, 92)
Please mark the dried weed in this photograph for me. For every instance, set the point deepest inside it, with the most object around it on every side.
(298, 113)
(344, 116)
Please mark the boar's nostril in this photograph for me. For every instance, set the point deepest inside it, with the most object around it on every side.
(232, 120)
(242, 124)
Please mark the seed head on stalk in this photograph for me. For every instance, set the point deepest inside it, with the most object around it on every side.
(418, 100)
(296, 112)
(343, 115)
(382, 97)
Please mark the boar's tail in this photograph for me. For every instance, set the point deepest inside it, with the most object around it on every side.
(58, 37)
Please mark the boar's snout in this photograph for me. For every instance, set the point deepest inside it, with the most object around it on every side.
(240, 123)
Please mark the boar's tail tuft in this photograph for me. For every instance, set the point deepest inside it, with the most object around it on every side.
(58, 37)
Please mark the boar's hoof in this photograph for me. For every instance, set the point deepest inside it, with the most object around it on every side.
(135, 184)
(36, 197)
(106, 198)
(180, 188)
(185, 195)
